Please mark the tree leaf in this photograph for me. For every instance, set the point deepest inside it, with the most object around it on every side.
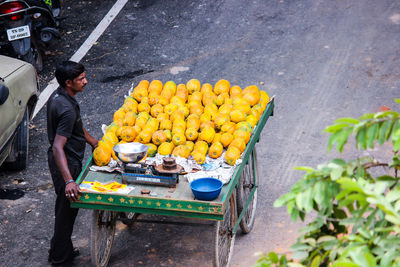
(386, 178)
(349, 184)
(357, 197)
(294, 264)
(396, 145)
(332, 140)
(370, 259)
(282, 200)
(372, 134)
(319, 192)
(397, 100)
(294, 215)
(327, 202)
(273, 257)
(392, 219)
(308, 200)
(393, 195)
(290, 207)
(344, 263)
(395, 130)
(385, 114)
(336, 172)
(342, 194)
(362, 257)
(302, 215)
(300, 199)
(300, 246)
(325, 238)
(387, 258)
(316, 261)
(313, 226)
(283, 260)
(303, 168)
(336, 127)
(395, 162)
(339, 162)
(384, 131)
(362, 231)
(347, 120)
(367, 116)
(299, 255)
(342, 139)
(380, 187)
(360, 173)
(361, 138)
(310, 241)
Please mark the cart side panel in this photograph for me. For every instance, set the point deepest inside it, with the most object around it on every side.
(165, 212)
(149, 203)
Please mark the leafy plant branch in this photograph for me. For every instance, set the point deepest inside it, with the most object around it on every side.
(356, 218)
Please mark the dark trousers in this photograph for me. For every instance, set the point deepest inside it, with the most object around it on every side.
(61, 244)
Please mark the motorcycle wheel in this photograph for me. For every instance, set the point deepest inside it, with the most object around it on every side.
(34, 56)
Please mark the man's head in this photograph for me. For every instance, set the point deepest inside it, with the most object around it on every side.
(71, 75)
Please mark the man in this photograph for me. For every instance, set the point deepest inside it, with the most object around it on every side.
(67, 139)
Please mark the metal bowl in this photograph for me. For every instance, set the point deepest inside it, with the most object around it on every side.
(130, 152)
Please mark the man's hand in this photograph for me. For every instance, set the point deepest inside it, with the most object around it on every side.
(72, 191)
(94, 145)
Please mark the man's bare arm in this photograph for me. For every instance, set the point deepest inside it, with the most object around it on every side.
(90, 139)
(71, 189)
(59, 155)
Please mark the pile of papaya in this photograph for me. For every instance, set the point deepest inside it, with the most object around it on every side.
(186, 120)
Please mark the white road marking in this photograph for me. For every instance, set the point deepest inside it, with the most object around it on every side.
(395, 18)
(82, 51)
(177, 69)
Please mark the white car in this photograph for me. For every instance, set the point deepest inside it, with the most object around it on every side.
(18, 96)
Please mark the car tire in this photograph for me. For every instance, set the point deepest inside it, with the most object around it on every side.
(20, 146)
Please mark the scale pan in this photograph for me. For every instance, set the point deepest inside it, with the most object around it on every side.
(130, 152)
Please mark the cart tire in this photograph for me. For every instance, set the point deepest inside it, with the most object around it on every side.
(247, 182)
(102, 236)
(224, 238)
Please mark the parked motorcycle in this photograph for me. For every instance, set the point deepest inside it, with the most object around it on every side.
(26, 28)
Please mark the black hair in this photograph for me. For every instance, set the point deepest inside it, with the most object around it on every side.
(68, 70)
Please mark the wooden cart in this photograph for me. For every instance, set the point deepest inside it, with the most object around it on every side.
(235, 206)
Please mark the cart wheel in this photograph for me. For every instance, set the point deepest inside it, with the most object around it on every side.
(128, 218)
(247, 182)
(102, 236)
(224, 239)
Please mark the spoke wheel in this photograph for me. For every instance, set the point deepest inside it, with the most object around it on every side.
(102, 236)
(224, 238)
(247, 182)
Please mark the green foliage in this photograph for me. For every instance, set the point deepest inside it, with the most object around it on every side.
(357, 220)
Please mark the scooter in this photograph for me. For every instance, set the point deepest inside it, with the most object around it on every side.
(26, 27)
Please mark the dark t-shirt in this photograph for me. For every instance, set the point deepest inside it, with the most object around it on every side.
(63, 118)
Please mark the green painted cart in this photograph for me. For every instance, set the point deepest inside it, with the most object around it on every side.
(235, 206)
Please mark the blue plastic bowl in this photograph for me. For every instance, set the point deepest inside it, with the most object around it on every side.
(206, 188)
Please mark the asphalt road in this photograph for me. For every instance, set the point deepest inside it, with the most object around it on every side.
(321, 59)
